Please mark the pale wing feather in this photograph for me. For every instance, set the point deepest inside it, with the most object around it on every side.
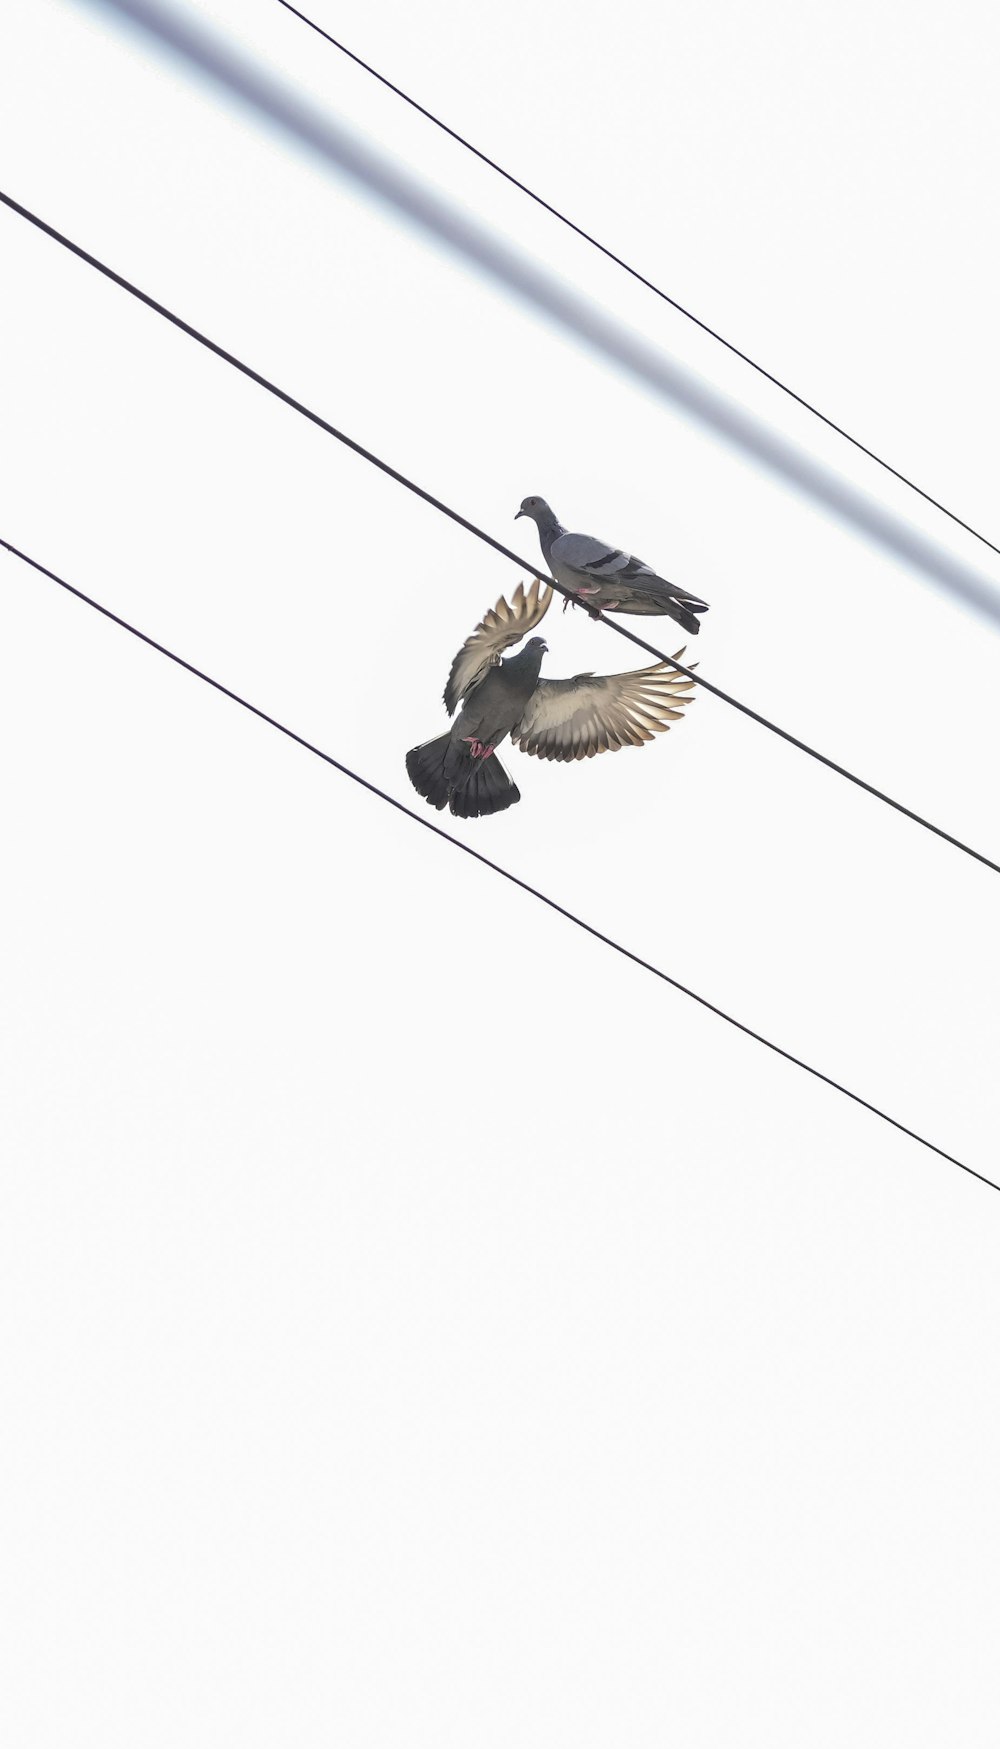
(598, 713)
(500, 626)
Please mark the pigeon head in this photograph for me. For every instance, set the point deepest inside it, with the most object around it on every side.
(528, 658)
(536, 508)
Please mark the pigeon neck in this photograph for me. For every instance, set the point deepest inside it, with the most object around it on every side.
(549, 530)
(526, 662)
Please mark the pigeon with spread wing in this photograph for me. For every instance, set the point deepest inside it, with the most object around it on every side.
(604, 577)
(552, 719)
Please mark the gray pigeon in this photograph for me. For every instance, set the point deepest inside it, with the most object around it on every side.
(552, 719)
(604, 577)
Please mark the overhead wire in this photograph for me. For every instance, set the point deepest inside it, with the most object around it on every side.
(472, 528)
(217, 60)
(497, 867)
(642, 279)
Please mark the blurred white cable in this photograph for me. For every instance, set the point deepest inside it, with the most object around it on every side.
(228, 68)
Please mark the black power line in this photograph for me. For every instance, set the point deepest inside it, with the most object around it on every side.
(595, 243)
(472, 528)
(498, 868)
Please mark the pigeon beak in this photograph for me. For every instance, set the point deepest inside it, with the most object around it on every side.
(519, 515)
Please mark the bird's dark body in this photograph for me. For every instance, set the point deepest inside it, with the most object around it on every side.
(497, 703)
(447, 772)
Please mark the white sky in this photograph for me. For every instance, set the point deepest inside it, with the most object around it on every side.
(421, 1325)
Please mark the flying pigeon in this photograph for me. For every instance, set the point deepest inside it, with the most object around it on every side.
(552, 719)
(604, 577)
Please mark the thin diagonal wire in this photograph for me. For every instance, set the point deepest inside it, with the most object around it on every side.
(650, 285)
(480, 533)
(497, 867)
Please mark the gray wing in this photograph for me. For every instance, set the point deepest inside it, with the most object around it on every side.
(500, 626)
(600, 563)
(593, 558)
(598, 713)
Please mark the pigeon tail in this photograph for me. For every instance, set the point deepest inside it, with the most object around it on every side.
(488, 789)
(425, 768)
(684, 617)
(480, 786)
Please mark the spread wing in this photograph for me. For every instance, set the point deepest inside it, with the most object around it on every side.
(598, 713)
(500, 626)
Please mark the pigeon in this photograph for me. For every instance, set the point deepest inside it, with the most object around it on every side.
(606, 578)
(551, 719)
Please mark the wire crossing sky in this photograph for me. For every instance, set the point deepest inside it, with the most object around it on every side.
(434, 1320)
(481, 534)
(634, 271)
(497, 868)
(230, 70)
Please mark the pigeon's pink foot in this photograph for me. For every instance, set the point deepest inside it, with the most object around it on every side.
(478, 749)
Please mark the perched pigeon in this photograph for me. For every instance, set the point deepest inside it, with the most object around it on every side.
(604, 577)
(553, 719)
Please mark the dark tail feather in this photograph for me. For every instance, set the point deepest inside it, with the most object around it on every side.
(480, 787)
(425, 766)
(658, 596)
(486, 790)
(685, 617)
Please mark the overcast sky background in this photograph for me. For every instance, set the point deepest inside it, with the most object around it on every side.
(421, 1324)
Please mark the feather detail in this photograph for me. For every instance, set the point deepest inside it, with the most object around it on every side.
(500, 627)
(600, 713)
